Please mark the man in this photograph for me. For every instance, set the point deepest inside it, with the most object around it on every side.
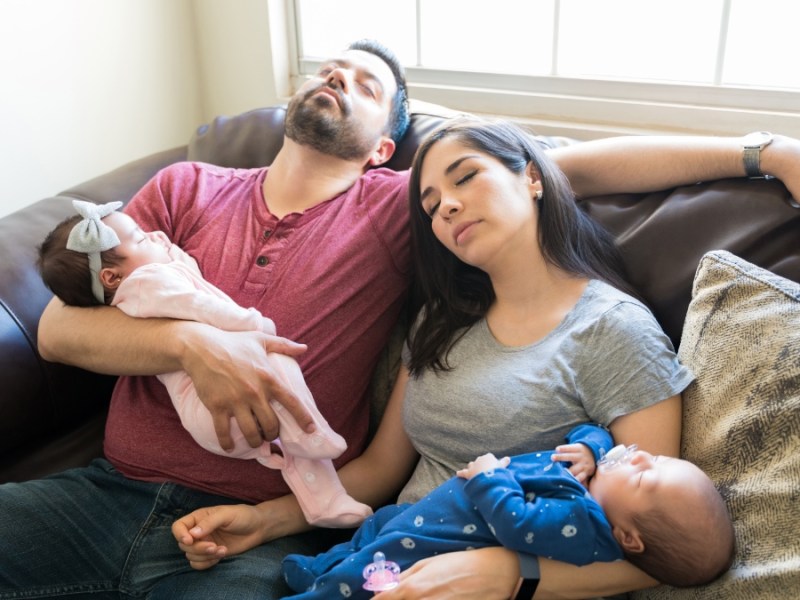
(318, 243)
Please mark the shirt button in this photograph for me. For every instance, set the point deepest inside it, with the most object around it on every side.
(267, 233)
(262, 261)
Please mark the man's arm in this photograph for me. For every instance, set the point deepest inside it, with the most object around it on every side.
(230, 370)
(105, 340)
(649, 163)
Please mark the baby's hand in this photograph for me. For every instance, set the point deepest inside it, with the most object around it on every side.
(485, 462)
(582, 459)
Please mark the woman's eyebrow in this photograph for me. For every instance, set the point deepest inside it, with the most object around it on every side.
(450, 168)
(454, 165)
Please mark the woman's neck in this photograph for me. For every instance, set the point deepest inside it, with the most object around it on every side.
(301, 177)
(531, 302)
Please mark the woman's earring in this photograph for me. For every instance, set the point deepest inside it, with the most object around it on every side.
(539, 194)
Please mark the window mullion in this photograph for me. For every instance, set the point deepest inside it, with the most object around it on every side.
(724, 24)
(556, 32)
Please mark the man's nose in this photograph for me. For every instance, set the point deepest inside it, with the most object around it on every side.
(338, 78)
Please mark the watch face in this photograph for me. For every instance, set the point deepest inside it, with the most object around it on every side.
(757, 139)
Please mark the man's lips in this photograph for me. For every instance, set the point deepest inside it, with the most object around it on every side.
(462, 230)
(328, 91)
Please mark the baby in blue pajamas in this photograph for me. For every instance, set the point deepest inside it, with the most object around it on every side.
(531, 504)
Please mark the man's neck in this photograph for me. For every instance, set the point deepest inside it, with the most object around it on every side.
(300, 178)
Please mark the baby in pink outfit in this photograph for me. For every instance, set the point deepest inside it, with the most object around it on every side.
(151, 277)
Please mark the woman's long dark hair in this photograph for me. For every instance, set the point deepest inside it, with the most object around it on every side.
(455, 295)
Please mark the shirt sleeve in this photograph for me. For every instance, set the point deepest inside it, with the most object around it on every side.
(629, 364)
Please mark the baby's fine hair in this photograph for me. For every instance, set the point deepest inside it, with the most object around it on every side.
(66, 272)
(686, 547)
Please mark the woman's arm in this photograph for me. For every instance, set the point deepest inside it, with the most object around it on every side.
(378, 475)
(490, 573)
(493, 574)
(647, 163)
(656, 428)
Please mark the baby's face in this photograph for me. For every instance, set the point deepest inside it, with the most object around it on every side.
(641, 482)
(137, 247)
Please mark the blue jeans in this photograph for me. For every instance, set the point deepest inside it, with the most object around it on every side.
(93, 533)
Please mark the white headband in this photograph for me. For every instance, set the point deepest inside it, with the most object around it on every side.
(91, 236)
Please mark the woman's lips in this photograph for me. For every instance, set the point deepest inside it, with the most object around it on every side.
(461, 232)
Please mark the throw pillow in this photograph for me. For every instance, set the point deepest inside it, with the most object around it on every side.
(741, 421)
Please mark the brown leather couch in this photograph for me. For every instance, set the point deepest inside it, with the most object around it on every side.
(51, 416)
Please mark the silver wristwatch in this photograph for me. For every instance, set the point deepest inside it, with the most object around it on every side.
(752, 145)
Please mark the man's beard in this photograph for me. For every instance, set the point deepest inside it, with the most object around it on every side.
(309, 123)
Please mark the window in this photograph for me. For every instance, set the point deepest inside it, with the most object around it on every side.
(582, 67)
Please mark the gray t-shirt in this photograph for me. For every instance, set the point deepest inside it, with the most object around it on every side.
(607, 358)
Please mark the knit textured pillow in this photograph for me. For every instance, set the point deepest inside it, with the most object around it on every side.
(741, 421)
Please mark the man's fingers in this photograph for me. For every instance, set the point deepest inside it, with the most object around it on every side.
(294, 406)
(222, 426)
(281, 345)
(251, 427)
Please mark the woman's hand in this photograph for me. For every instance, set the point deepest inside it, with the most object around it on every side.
(208, 535)
(485, 574)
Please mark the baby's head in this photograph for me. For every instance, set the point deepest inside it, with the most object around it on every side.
(118, 244)
(667, 515)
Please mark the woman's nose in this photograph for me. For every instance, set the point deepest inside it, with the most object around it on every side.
(449, 207)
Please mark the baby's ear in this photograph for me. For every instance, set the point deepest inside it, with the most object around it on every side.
(110, 278)
(629, 539)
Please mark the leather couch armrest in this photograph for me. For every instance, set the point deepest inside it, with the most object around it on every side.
(51, 415)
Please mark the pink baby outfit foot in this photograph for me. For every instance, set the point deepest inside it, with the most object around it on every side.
(324, 442)
(320, 493)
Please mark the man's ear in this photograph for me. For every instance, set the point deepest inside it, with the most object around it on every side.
(110, 278)
(383, 151)
(629, 539)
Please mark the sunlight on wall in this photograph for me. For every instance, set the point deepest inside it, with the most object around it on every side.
(89, 85)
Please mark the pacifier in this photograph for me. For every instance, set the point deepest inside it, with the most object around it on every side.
(618, 455)
(381, 575)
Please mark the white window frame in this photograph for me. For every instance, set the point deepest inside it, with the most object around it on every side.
(588, 108)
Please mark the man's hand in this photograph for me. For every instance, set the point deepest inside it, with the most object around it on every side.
(781, 159)
(234, 379)
(582, 459)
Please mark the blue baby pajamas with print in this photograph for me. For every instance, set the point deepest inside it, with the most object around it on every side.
(535, 506)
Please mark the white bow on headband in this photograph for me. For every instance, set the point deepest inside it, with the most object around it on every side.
(91, 236)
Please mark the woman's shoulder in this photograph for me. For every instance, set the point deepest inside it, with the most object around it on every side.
(610, 311)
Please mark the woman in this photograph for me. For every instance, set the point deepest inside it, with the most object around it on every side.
(524, 333)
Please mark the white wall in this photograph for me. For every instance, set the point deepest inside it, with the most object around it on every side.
(236, 50)
(88, 85)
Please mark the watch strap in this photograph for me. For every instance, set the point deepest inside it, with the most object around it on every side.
(752, 161)
(527, 589)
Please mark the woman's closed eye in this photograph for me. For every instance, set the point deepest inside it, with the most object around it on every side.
(432, 209)
(466, 177)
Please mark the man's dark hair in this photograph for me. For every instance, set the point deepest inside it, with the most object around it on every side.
(399, 118)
